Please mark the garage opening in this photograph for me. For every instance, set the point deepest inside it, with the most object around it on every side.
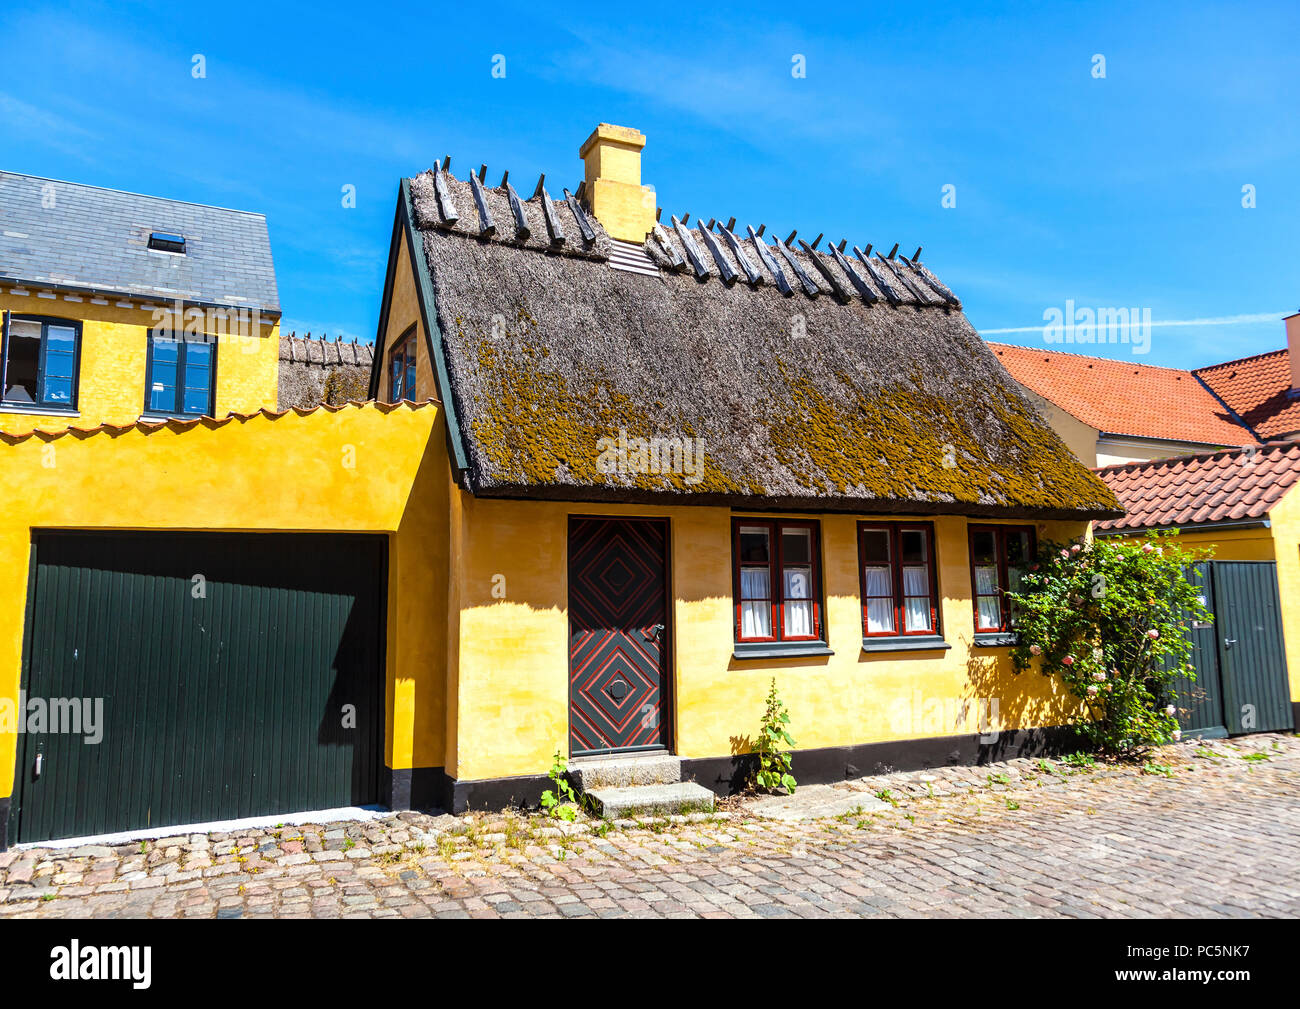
(189, 677)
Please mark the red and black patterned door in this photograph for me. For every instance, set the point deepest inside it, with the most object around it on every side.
(617, 635)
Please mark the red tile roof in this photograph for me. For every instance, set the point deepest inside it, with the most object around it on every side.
(1240, 483)
(1258, 390)
(1121, 397)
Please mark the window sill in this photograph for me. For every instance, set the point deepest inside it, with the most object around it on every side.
(39, 411)
(780, 649)
(995, 639)
(906, 643)
(162, 418)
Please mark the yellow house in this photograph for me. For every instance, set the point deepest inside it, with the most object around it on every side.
(686, 460)
(620, 475)
(117, 306)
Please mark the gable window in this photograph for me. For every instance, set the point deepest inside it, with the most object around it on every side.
(900, 595)
(40, 360)
(401, 370)
(180, 377)
(999, 557)
(777, 581)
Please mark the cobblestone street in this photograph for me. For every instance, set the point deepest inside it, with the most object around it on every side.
(1207, 829)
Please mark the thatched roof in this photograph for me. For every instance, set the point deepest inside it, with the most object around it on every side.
(310, 368)
(840, 394)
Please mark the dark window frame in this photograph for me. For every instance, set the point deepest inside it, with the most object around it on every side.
(180, 340)
(40, 403)
(167, 241)
(405, 347)
(776, 583)
(895, 531)
(1000, 533)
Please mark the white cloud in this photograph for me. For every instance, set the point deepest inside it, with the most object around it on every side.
(1223, 320)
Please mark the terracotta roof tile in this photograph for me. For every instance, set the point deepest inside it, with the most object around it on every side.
(1240, 483)
(1258, 389)
(179, 424)
(1122, 397)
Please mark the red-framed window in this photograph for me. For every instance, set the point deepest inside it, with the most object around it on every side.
(401, 370)
(896, 571)
(999, 557)
(777, 580)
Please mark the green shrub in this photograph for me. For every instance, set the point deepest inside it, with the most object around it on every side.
(1108, 619)
(560, 801)
(774, 762)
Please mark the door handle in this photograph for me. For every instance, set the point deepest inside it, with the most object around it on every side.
(656, 632)
(1229, 642)
(36, 771)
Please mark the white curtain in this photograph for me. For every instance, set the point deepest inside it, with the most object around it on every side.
(798, 602)
(880, 611)
(986, 586)
(916, 597)
(755, 617)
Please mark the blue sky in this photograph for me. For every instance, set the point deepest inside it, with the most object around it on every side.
(1122, 191)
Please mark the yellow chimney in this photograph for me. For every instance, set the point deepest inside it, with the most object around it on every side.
(612, 157)
(1293, 350)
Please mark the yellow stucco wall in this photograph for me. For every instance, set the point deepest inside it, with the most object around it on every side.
(1285, 527)
(361, 469)
(114, 344)
(511, 689)
(1079, 437)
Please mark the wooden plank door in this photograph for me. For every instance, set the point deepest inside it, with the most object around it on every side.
(618, 636)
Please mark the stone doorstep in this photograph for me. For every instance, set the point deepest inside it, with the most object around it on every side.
(662, 798)
(624, 771)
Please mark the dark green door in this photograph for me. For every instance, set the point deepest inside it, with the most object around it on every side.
(236, 675)
(1200, 700)
(1248, 622)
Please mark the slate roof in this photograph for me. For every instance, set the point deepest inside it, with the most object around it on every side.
(1259, 390)
(76, 237)
(1233, 485)
(1123, 397)
(812, 378)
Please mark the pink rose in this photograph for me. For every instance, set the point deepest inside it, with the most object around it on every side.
(1099, 676)
(1092, 691)
(1035, 650)
(1068, 660)
(1153, 634)
(1178, 734)
(1170, 710)
(1065, 553)
(1147, 548)
(1075, 549)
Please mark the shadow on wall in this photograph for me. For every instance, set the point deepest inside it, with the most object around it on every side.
(1000, 697)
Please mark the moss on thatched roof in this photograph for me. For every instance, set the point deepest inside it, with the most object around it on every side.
(797, 400)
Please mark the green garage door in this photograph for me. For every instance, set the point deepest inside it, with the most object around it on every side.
(240, 675)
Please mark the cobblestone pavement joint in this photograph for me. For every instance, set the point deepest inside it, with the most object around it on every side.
(1207, 829)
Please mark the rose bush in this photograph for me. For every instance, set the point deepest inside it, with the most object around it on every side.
(1108, 618)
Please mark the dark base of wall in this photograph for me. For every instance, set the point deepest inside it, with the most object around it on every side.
(413, 787)
(1295, 715)
(427, 788)
(4, 824)
(431, 788)
(728, 775)
(494, 793)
